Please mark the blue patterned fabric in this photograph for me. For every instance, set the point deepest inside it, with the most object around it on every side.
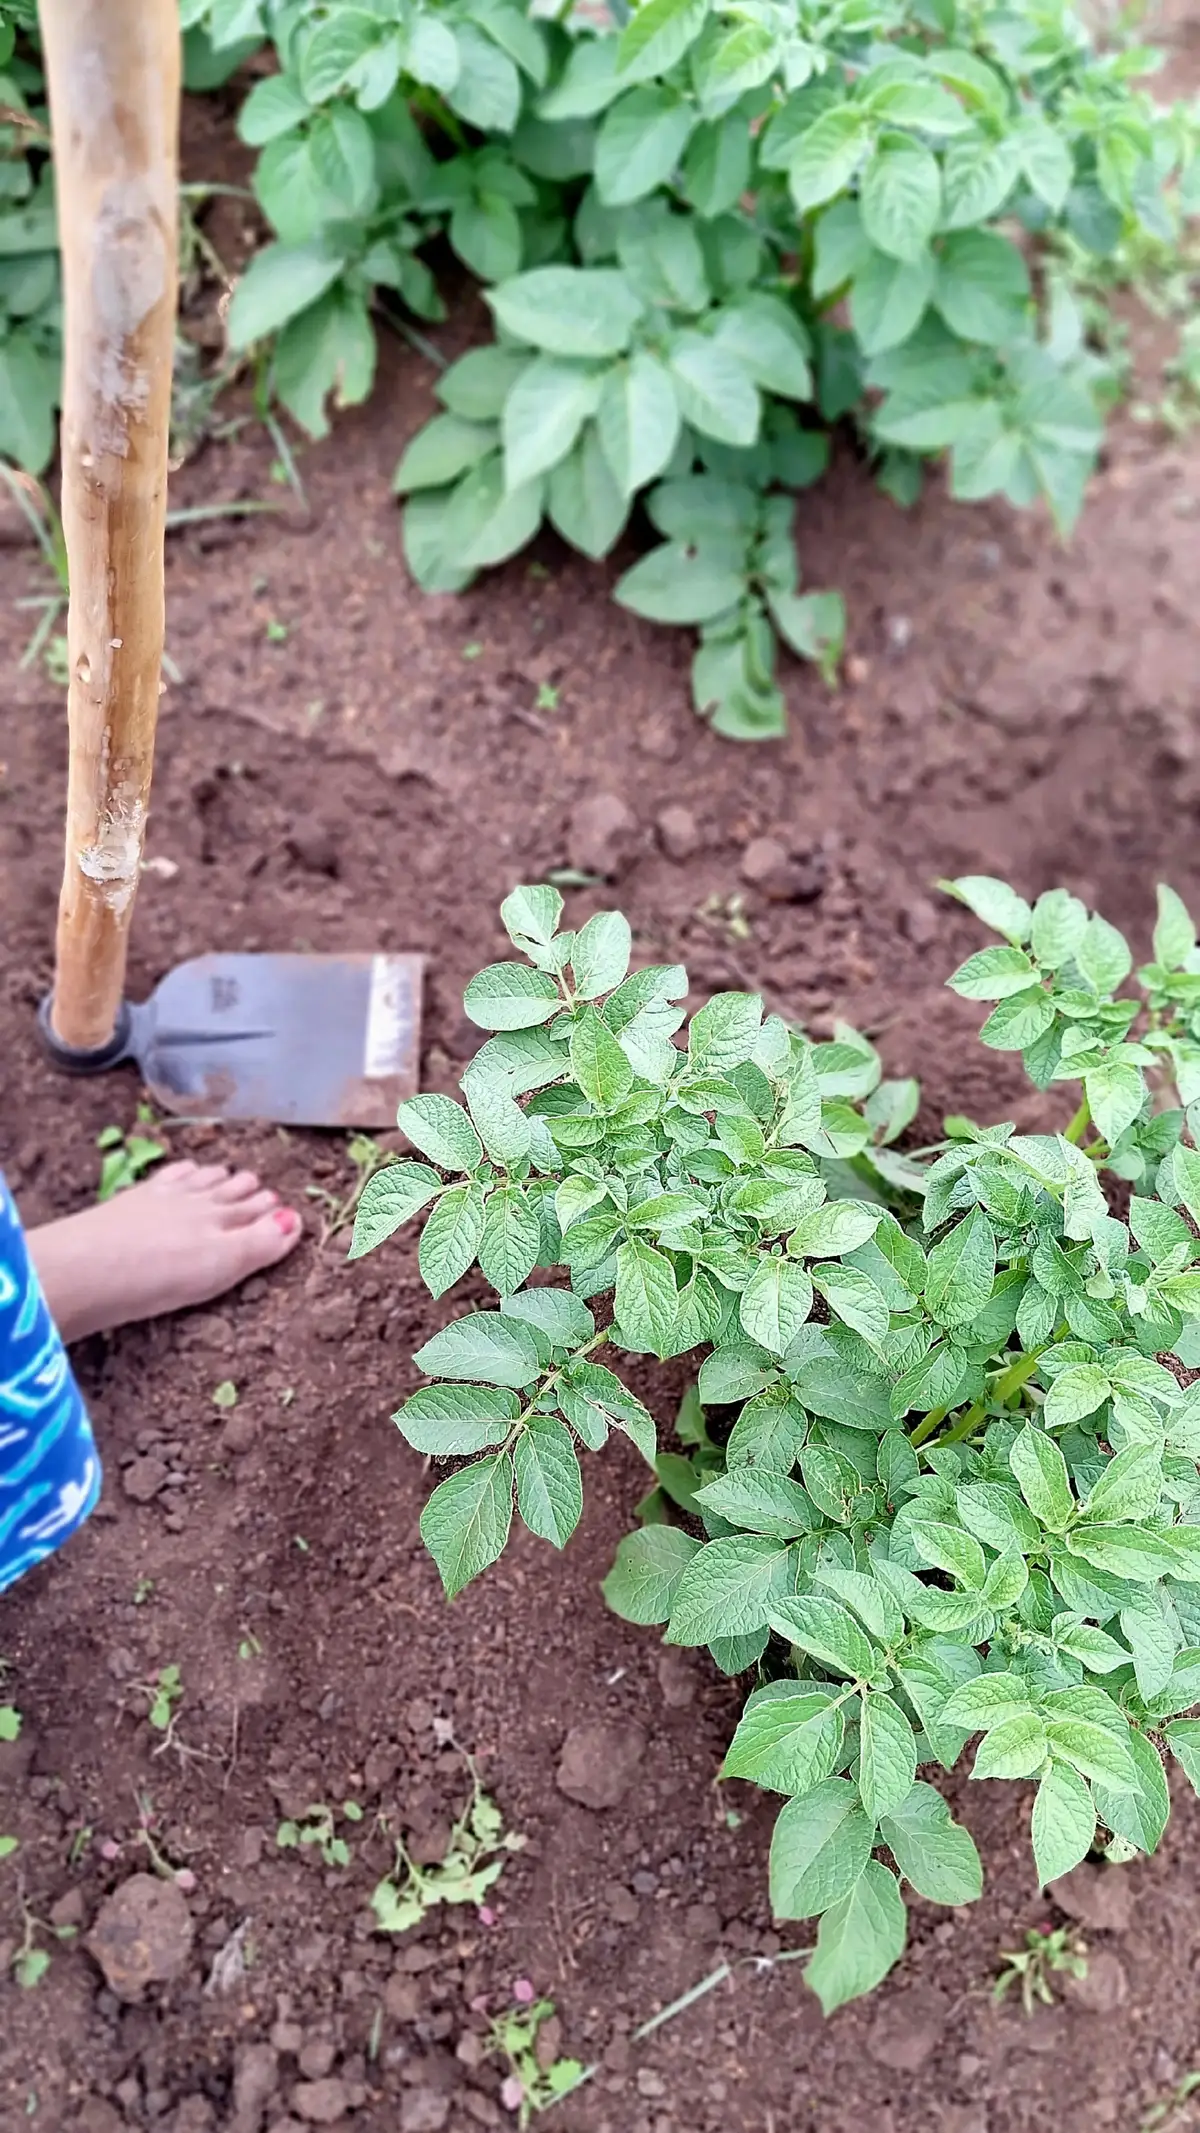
(49, 1470)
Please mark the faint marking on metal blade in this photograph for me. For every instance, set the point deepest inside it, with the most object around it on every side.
(389, 1018)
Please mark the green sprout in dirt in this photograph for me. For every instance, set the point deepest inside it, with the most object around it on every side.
(536, 2076)
(475, 1858)
(164, 1693)
(1165, 2116)
(30, 1961)
(316, 1829)
(945, 1467)
(126, 1157)
(1050, 1951)
(10, 1722)
(366, 1158)
(225, 1395)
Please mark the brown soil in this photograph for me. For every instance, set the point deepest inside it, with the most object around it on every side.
(368, 782)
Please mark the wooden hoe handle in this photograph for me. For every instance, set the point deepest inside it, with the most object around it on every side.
(113, 73)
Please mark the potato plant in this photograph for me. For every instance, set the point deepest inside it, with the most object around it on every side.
(708, 234)
(941, 1481)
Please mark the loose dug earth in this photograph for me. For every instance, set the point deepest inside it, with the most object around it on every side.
(369, 782)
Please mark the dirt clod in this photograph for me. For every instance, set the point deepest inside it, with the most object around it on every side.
(908, 2030)
(322, 2103)
(602, 836)
(678, 832)
(1101, 1897)
(599, 1762)
(143, 1478)
(424, 2111)
(142, 1935)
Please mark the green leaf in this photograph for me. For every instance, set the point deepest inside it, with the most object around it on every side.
(724, 1032)
(482, 1348)
(717, 166)
(466, 1521)
(931, 1850)
(839, 1226)
(590, 1394)
(961, 1271)
(647, 1299)
(675, 583)
(900, 198)
(1064, 1822)
(788, 1740)
(477, 386)
(451, 1421)
(825, 1629)
(888, 298)
(563, 1319)
(600, 956)
(487, 92)
(1134, 1552)
(986, 1700)
(333, 49)
(855, 1299)
(388, 1199)
(597, 1061)
(1102, 957)
(584, 502)
(1140, 1816)
(859, 1939)
(1116, 1091)
(485, 231)
(440, 1128)
(983, 288)
(450, 1238)
(1058, 924)
(1129, 1486)
(274, 106)
(977, 177)
(1175, 933)
(549, 1489)
(279, 282)
(827, 156)
(813, 624)
(1017, 1747)
(819, 1849)
(638, 420)
(995, 903)
(1046, 160)
(713, 388)
(775, 1304)
(993, 974)
(640, 1586)
(757, 1501)
(1183, 1739)
(1041, 1473)
(1093, 1750)
(569, 311)
(727, 1589)
(544, 414)
(511, 1239)
(887, 1756)
(945, 1547)
(1075, 1393)
(641, 139)
(508, 996)
(1185, 1170)
(769, 342)
(1016, 1023)
(657, 35)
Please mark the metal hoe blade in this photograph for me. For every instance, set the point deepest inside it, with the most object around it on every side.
(304, 1040)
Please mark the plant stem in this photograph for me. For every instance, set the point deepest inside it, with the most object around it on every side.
(1010, 1381)
(1079, 1124)
(544, 1384)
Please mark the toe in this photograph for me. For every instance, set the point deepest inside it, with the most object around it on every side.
(241, 1186)
(172, 1174)
(235, 1214)
(207, 1175)
(271, 1237)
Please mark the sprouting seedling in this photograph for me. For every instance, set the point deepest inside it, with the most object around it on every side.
(316, 1828)
(165, 1693)
(366, 1158)
(1049, 1951)
(148, 1836)
(474, 1860)
(126, 1157)
(225, 1394)
(534, 2079)
(548, 697)
(10, 1722)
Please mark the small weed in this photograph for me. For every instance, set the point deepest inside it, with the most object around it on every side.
(277, 632)
(474, 650)
(249, 1646)
(548, 697)
(142, 1591)
(30, 1962)
(225, 1394)
(475, 1858)
(726, 914)
(1163, 2117)
(126, 1157)
(366, 1158)
(534, 2080)
(303, 1545)
(145, 1835)
(164, 1695)
(316, 1827)
(79, 1844)
(10, 1722)
(1047, 1952)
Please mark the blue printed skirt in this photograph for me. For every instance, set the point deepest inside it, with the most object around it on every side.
(49, 1468)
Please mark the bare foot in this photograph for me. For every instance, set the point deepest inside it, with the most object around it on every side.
(182, 1236)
